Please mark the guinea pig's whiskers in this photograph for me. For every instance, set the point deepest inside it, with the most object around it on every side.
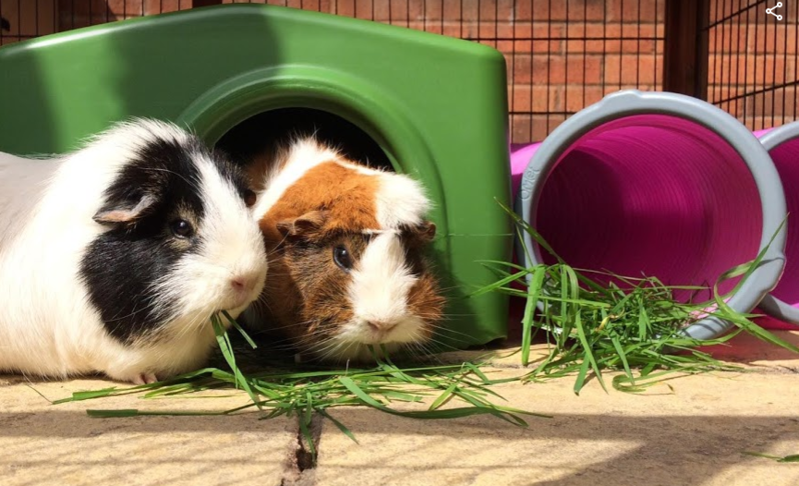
(323, 347)
(449, 330)
(333, 348)
(454, 339)
(263, 299)
(442, 345)
(288, 326)
(418, 350)
(189, 326)
(442, 325)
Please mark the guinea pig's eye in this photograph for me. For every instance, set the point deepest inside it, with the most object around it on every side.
(342, 258)
(181, 228)
(249, 198)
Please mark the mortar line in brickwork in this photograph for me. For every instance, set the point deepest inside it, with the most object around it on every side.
(548, 112)
(525, 39)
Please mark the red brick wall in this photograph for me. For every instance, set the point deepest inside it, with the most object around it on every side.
(562, 54)
(81, 13)
(28, 19)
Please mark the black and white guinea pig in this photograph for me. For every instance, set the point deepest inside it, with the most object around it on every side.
(346, 245)
(114, 257)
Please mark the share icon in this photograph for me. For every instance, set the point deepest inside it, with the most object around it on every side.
(770, 11)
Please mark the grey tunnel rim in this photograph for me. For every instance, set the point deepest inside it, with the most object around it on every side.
(770, 304)
(627, 103)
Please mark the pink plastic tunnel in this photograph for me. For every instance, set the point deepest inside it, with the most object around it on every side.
(783, 145)
(655, 184)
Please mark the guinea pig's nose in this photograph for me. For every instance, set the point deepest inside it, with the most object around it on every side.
(242, 284)
(381, 326)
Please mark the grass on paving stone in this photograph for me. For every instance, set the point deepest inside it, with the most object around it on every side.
(303, 394)
(632, 325)
(791, 458)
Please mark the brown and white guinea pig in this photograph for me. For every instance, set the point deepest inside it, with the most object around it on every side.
(114, 257)
(345, 245)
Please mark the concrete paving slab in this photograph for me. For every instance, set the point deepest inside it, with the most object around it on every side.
(696, 434)
(45, 444)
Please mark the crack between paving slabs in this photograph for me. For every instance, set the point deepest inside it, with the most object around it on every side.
(301, 465)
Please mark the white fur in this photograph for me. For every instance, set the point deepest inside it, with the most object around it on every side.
(228, 237)
(47, 324)
(400, 201)
(381, 282)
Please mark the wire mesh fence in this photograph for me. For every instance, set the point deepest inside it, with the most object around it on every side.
(752, 60)
(562, 55)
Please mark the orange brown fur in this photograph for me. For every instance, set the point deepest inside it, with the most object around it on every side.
(347, 196)
(307, 295)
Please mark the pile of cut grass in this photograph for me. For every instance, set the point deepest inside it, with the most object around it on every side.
(303, 394)
(632, 325)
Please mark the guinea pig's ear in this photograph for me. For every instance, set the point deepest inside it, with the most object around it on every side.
(115, 213)
(425, 231)
(303, 226)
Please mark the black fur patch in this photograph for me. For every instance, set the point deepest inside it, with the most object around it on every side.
(121, 265)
